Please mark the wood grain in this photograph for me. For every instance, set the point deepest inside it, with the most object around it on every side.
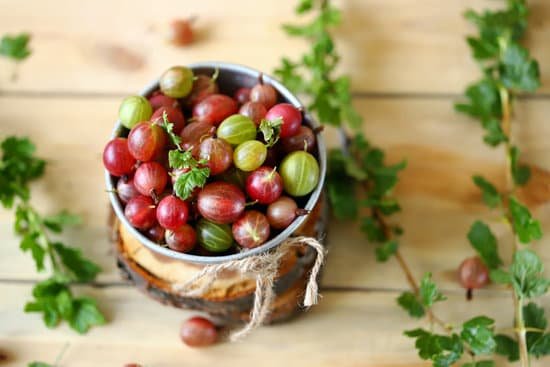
(398, 46)
(346, 329)
(442, 149)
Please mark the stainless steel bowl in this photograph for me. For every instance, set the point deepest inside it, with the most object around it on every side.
(231, 77)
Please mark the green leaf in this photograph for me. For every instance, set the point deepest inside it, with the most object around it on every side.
(86, 314)
(18, 167)
(341, 188)
(483, 100)
(518, 71)
(493, 132)
(341, 194)
(50, 287)
(353, 169)
(429, 293)
(493, 25)
(485, 363)
(527, 273)
(485, 243)
(15, 47)
(538, 343)
(410, 303)
(541, 347)
(526, 227)
(372, 229)
(342, 88)
(39, 364)
(304, 6)
(181, 160)
(500, 276)
(507, 347)
(56, 222)
(533, 316)
(491, 196)
(29, 242)
(64, 303)
(271, 131)
(75, 263)
(386, 250)
(520, 173)
(478, 333)
(169, 128)
(482, 50)
(289, 76)
(187, 182)
(387, 206)
(442, 350)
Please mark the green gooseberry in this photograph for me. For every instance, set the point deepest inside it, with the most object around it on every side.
(300, 173)
(177, 82)
(237, 129)
(134, 109)
(249, 155)
(214, 237)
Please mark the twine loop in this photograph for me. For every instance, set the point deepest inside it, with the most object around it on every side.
(263, 268)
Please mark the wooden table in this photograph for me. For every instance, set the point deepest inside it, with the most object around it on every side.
(409, 63)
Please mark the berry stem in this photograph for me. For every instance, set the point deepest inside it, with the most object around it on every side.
(413, 283)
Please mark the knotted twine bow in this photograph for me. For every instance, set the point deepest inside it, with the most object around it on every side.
(264, 268)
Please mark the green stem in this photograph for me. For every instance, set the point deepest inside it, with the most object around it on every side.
(506, 125)
(36, 221)
(520, 331)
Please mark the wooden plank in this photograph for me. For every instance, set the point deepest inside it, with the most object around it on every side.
(355, 329)
(443, 150)
(400, 46)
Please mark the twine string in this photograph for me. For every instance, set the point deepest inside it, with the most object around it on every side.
(263, 268)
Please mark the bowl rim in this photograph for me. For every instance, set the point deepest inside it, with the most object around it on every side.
(272, 243)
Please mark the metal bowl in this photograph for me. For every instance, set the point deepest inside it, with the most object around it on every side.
(231, 77)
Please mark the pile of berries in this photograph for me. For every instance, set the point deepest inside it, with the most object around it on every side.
(224, 169)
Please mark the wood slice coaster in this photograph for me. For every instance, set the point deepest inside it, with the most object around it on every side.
(229, 299)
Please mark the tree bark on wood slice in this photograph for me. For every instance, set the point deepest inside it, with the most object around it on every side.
(229, 299)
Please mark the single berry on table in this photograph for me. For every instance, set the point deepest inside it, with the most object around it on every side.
(181, 32)
(473, 273)
(198, 332)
